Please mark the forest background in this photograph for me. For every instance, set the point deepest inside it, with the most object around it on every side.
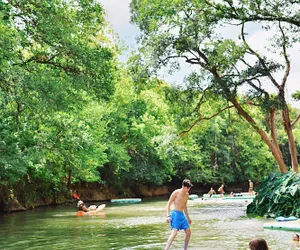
(73, 114)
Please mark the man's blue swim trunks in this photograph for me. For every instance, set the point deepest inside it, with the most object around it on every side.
(178, 220)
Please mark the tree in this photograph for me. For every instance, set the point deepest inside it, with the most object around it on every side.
(134, 120)
(223, 149)
(188, 30)
(55, 60)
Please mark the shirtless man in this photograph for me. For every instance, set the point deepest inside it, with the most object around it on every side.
(221, 190)
(211, 192)
(250, 187)
(179, 217)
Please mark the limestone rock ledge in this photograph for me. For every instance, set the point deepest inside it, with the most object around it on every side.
(86, 192)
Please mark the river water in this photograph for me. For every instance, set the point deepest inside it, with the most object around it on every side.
(137, 226)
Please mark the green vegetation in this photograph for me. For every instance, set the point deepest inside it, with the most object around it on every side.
(190, 30)
(224, 67)
(71, 113)
(278, 195)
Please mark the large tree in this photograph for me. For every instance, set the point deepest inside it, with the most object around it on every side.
(54, 60)
(190, 30)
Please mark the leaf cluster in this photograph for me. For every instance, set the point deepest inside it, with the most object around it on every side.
(278, 195)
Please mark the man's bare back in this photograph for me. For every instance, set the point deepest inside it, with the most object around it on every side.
(180, 199)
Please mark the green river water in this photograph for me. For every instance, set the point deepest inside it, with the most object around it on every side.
(137, 226)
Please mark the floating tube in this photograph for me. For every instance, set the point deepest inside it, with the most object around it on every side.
(239, 198)
(281, 218)
(238, 195)
(122, 201)
(242, 195)
(193, 196)
(283, 226)
(213, 196)
(247, 193)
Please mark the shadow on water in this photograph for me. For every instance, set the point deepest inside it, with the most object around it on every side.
(136, 226)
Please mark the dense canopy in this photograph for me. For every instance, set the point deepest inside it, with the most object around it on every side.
(72, 114)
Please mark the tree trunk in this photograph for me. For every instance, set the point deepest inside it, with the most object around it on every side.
(292, 146)
(273, 130)
(275, 151)
(69, 178)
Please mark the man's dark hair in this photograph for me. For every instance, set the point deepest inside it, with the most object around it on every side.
(187, 183)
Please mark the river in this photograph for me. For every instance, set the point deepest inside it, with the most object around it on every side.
(136, 226)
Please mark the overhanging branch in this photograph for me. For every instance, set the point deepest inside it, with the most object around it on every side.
(261, 60)
(294, 122)
(287, 61)
(204, 118)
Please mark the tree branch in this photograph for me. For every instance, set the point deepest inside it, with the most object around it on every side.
(261, 60)
(249, 81)
(203, 118)
(246, 62)
(197, 108)
(231, 6)
(287, 61)
(294, 122)
(272, 19)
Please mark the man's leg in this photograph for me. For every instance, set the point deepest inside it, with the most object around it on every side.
(187, 238)
(171, 238)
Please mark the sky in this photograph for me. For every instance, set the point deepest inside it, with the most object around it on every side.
(118, 15)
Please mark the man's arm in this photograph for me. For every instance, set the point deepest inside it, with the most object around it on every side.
(187, 213)
(84, 208)
(171, 199)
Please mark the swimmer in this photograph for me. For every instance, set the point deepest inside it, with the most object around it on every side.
(258, 244)
(221, 190)
(296, 237)
(211, 192)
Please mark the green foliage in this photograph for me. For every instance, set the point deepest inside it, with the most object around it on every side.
(134, 121)
(193, 35)
(191, 31)
(55, 61)
(70, 114)
(296, 95)
(278, 195)
(218, 149)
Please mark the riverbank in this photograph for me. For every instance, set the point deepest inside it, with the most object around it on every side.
(19, 201)
(29, 197)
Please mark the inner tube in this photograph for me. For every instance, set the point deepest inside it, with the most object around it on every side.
(193, 196)
(131, 200)
(99, 209)
(281, 218)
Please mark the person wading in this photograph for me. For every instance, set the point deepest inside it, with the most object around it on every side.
(179, 217)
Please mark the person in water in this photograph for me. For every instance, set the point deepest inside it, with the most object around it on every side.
(258, 244)
(296, 237)
(295, 243)
(211, 192)
(250, 187)
(82, 207)
(179, 217)
(221, 190)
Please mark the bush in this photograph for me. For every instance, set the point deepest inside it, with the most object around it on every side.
(278, 195)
